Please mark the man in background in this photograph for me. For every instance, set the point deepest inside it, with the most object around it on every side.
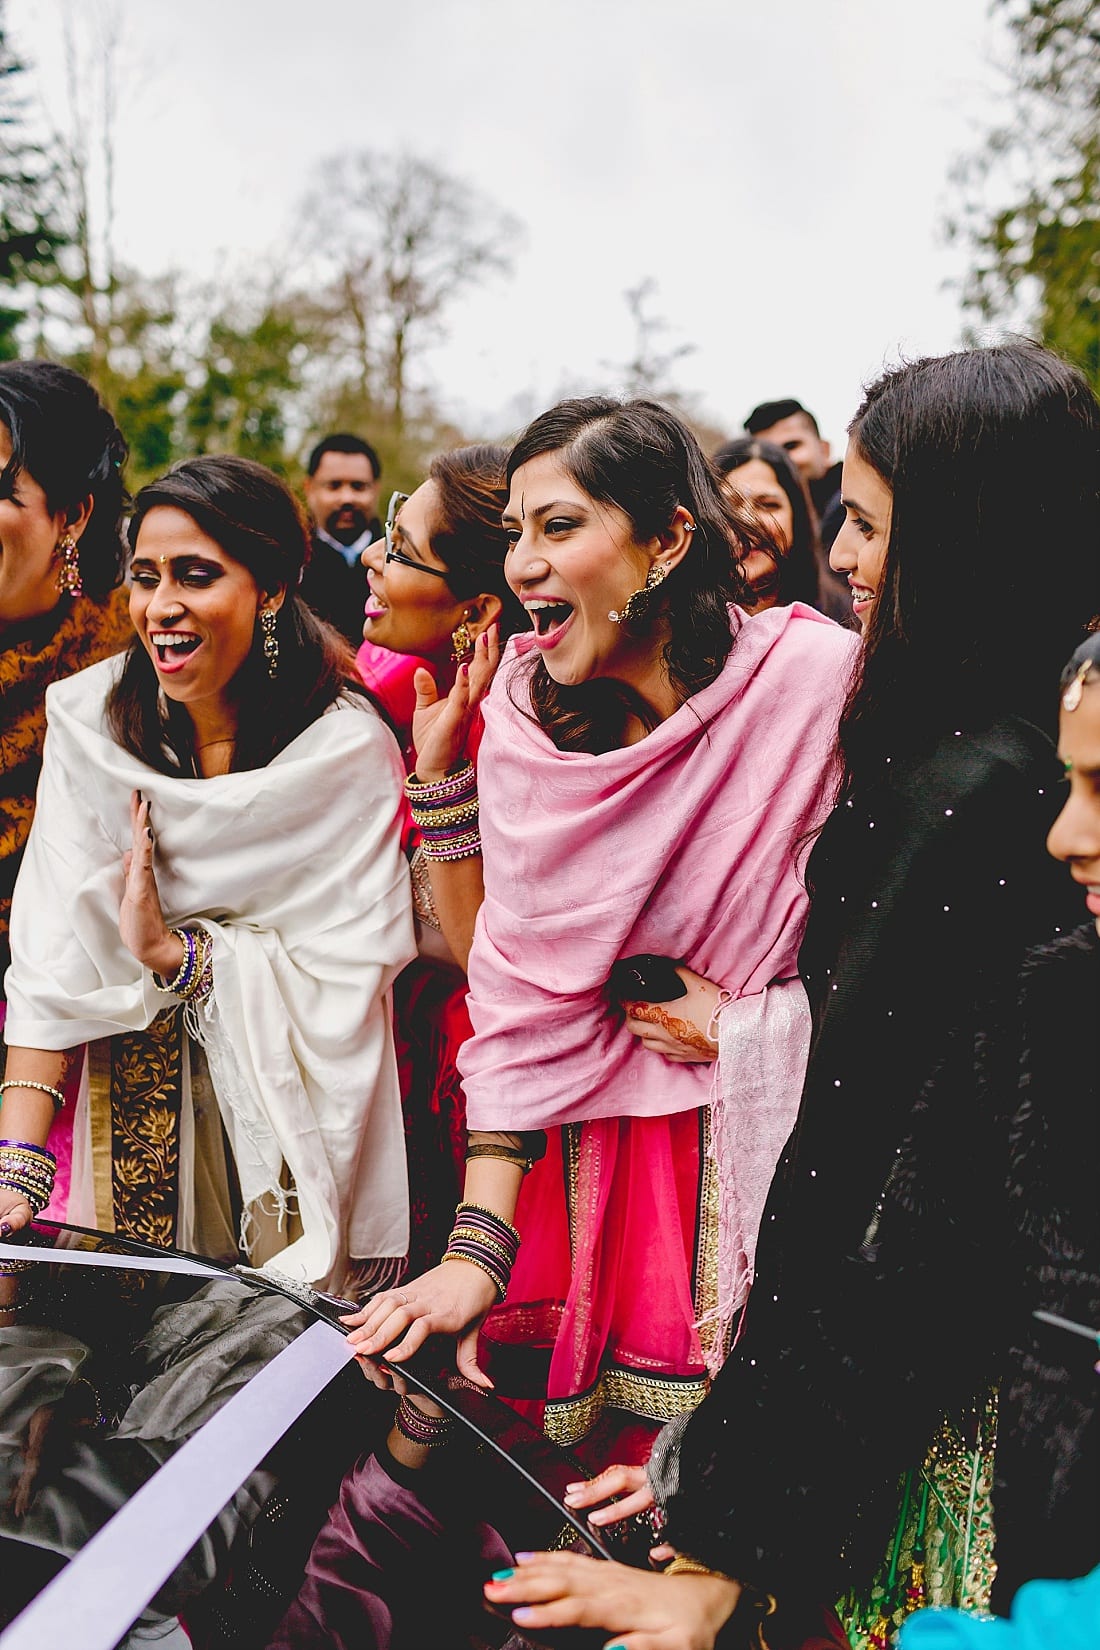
(341, 491)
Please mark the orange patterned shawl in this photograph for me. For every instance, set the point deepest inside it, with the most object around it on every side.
(76, 634)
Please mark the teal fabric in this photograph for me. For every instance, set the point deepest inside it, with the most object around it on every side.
(1045, 1614)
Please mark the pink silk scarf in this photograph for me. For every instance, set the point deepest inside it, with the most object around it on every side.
(685, 844)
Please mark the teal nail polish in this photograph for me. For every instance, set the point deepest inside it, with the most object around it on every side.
(502, 1575)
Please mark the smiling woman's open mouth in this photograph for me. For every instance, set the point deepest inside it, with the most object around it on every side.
(547, 617)
(173, 646)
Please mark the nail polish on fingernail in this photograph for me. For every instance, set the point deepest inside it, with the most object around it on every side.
(149, 832)
(502, 1575)
(523, 1614)
(465, 670)
(522, 1557)
(5, 1228)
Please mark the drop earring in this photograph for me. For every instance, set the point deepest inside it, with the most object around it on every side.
(462, 642)
(69, 581)
(271, 641)
(638, 600)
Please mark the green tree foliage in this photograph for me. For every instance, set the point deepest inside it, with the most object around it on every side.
(1030, 210)
(246, 385)
(29, 236)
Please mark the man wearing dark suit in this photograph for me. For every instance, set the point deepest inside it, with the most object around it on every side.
(341, 489)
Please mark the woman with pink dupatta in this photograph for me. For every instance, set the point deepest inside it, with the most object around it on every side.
(652, 763)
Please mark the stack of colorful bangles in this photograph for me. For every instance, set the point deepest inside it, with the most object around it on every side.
(486, 1241)
(446, 814)
(195, 977)
(28, 1170)
(428, 1430)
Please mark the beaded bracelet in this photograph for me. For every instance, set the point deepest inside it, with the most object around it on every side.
(28, 1083)
(429, 1430)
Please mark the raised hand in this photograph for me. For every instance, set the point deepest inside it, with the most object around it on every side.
(140, 919)
(441, 727)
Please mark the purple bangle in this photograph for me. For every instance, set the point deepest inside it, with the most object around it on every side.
(29, 1146)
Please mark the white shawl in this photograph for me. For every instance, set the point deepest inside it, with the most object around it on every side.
(297, 871)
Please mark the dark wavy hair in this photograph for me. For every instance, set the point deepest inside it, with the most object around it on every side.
(638, 456)
(796, 576)
(993, 563)
(467, 534)
(65, 439)
(255, 520)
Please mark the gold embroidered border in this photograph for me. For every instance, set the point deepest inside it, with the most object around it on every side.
(654, 1397)
(571, 1166)
(145, 1097)
(706, 1243)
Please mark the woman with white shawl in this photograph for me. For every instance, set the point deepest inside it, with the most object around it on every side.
(215, 903)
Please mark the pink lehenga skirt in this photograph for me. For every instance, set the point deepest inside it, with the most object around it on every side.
(611, 1301)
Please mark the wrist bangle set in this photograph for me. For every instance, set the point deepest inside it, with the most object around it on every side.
(29, 1170)
(195, 977)
(418, 1428)
(446, 814)
(484, 1240)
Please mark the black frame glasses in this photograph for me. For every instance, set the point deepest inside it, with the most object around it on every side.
(393, 554)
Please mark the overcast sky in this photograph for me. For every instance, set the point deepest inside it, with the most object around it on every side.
(780, 170)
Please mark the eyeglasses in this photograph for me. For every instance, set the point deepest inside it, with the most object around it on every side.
(393, 554)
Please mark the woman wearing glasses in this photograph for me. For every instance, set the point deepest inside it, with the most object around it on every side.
(437, 610)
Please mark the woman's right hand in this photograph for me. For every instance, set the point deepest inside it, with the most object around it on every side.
(451, 1299)
(441, 727)
(15, 1212)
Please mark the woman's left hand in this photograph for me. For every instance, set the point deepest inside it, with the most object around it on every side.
(145, 934)
(645, 1612)
(679, 1030)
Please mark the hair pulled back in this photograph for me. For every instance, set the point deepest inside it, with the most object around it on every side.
(640, 457)
(796, 576)
(65, 439)
(467, 534)
(255, 520)
(993, 564)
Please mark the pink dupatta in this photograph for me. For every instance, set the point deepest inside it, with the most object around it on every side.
(686, 845)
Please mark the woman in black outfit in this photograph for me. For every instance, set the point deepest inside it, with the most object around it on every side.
(884, 1291)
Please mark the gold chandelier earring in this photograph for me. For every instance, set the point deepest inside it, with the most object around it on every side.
(69, 581)
(462, 642)
(637, 602)
(271, 641)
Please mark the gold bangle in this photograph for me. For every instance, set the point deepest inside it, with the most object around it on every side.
(472, 1260)
(682, 1565)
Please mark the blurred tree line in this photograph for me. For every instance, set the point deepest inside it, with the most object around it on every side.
(1029, 197)
(265, 370)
